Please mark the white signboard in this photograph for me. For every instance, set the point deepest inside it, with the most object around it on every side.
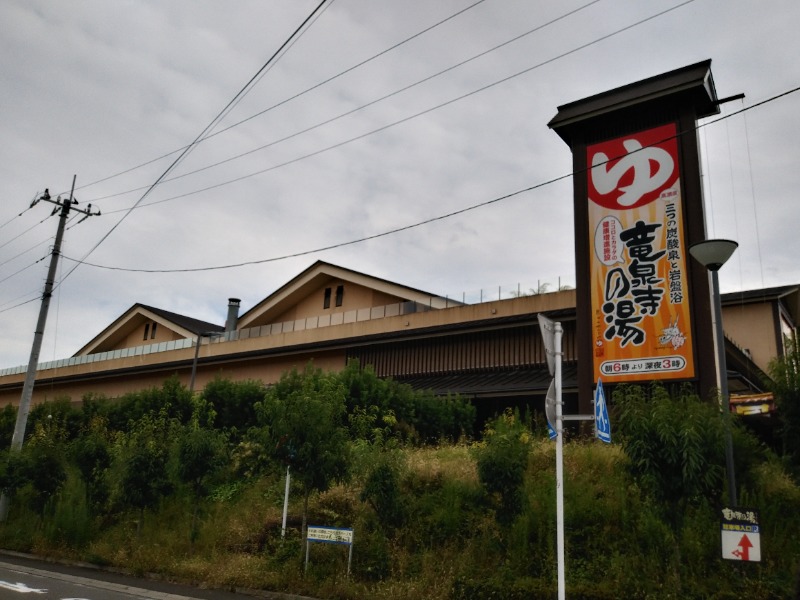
(741, 535)
(332, 535)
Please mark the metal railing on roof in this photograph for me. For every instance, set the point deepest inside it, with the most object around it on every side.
(329, 320)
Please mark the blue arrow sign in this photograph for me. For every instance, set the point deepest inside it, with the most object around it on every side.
(551, 433)
(602, 423)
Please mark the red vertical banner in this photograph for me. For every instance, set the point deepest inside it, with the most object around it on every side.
(641, 320)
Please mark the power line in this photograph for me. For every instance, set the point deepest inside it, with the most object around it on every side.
(22, 269)
(411, 117)
(20, 304)
(15, 217)
(19, 235)
(354, 110)
(241, 93)
(8, 260)
(289, 99)
(436, 218)
(70, 224)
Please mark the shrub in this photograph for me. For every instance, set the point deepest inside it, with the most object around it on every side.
(675, 446)
(502, 462)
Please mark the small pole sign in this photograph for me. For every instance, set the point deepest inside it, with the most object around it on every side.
(330, 535)
(602, 424)
(741, 535)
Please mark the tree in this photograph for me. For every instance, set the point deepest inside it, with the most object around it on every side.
(234, 403)
(303, 418)
(172, 399)
(199, 454)
(13, 471)
(676, 446)
(502, 462)
(382, 492)
(379, 408)
(8, 420)
(141, 465)
(56, 415)
(91, 453)
(785, 374)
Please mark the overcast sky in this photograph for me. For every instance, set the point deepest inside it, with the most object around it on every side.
(95, 88)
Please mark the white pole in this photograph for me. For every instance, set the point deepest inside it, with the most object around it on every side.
(286, 505)
(559, 467)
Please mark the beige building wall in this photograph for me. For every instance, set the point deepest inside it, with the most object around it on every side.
(752, 328)
(136, 336)
(355, 297)
(263, 358)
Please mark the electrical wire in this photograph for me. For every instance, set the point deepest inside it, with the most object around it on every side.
(42, 243)
(354, 110)
(22, 269)
(137, 204)
(72, 220)
(409, 118)
(206, 130)
(21, 304)
(753, 198)
(15, 217)
(19, 235)
(442, 217)
(289, 99)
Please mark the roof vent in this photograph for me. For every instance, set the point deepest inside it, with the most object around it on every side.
(233, 314)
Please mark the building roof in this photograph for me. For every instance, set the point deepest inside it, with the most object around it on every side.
(788, 295)
(322, 273)
(692, 84)
(188, 323)
(132, 318)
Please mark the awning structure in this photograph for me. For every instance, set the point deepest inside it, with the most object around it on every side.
(753, 404)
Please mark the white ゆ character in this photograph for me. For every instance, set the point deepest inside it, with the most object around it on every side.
(606, 179)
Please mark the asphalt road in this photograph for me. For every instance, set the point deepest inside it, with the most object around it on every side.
(25, 578)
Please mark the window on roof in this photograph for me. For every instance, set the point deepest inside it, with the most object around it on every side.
(339, 295)
(146, 330)
(326, 303)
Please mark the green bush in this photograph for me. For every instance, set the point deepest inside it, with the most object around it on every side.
(502, 462)
(234, 404)
(8, 422)
(71, 520)
(430, 522)
(382, 492)
(675, 446)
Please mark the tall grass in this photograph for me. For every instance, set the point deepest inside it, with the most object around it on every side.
(449, 545)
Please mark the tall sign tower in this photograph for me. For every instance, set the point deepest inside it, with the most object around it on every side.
(643, 306)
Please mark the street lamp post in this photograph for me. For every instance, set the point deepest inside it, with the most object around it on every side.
(712, 254)
(200, 336)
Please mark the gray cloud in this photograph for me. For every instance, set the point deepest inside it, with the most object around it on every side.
(96, 88)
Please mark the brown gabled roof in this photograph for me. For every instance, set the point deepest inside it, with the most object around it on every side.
(189, 323)
(319, 272)
(131, 318)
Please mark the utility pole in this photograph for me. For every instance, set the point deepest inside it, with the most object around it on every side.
(30, 376)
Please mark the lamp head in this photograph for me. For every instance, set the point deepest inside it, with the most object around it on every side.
(712, 254)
